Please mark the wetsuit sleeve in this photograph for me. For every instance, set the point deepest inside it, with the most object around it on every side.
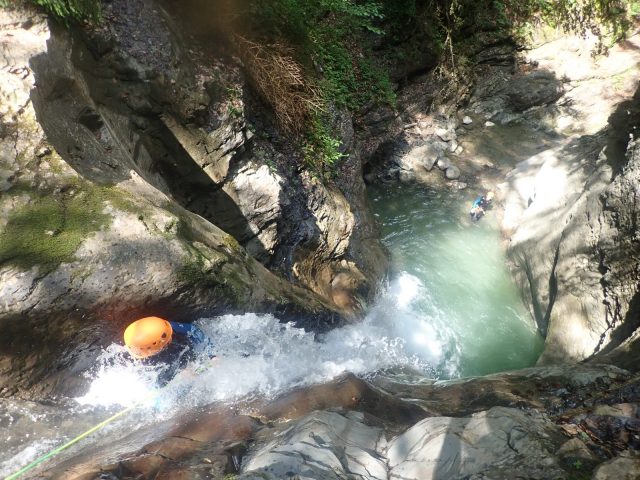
(195, 336)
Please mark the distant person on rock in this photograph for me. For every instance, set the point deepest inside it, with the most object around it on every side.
(480, 205)
(169, 344)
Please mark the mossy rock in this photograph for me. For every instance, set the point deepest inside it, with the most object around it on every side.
(51, 227)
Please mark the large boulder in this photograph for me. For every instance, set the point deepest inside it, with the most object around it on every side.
(323, 446)
(499, 443)
(539, 87)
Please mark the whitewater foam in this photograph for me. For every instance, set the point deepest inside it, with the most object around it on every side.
(259, 355)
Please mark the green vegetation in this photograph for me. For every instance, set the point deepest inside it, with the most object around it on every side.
(328, 62)
(600, 17)
(49, 230)
(67, 11)
(204, 267)
(321, 149)
(330, 36)
(193, 271)
(345, 49)
(196, 264)
(71, 10)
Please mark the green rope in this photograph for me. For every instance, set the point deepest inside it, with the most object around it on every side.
(52, 453)
(41, 459)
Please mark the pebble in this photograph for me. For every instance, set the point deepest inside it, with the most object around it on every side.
(467, 120)
(489, 124)
(445, 135)
(452, 172)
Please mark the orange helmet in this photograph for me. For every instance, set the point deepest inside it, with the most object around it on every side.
(147, 336)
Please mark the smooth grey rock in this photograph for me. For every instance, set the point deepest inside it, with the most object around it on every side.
(428, 162)
(418, 157)
(322, 446)
(453, 146)
(256, 192)
(571, 188)
(443, 163)
(499, 443)
(619, 468)
(446, 135)
(452, 172)
(467, 120)
(536, 88)
(575, 448)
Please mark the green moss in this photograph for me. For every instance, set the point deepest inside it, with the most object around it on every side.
(49, 230)
(184, 231)
(199, 263)
(232, 244)
(52, 226)
(193, 270)
(67, 11)
(56, 163)
(322, 148)
(206, 268)
(121, 200)
(81, 274)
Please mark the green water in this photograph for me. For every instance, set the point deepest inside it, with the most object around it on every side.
(466, 295)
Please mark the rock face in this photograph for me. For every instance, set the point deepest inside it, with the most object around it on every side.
(126, 112)
(133, 183)
(570, 213)
(539, 87)
(581, 277)
(413, 156)
(100, 235)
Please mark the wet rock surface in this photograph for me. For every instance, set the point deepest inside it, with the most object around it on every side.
(323, 445)
(554, 422)
(499, 443)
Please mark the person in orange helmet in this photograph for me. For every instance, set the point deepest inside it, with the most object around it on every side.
(170, 344)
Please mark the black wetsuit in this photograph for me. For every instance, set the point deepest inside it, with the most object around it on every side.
(187, 342)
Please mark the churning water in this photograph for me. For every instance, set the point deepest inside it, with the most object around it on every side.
(449, 310)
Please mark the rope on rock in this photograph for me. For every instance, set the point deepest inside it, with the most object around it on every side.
(54, 452)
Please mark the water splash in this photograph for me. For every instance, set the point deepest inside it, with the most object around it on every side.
(26, 455)
(259, 355)
(119, 379)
